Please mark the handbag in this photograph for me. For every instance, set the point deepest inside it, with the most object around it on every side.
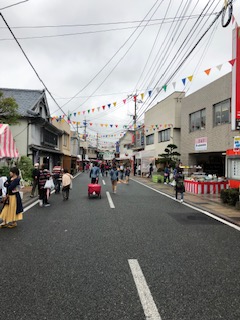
(49, 184)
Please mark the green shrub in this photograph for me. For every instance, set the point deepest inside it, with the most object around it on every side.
(230, 196)
(26, 167)
(160, 179)
(4, 171)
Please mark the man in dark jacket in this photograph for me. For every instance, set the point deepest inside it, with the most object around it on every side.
(35, 177)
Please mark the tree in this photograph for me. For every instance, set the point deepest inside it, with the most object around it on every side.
(8, 110)
(170, 156)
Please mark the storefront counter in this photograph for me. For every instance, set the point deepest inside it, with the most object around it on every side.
(205, 187)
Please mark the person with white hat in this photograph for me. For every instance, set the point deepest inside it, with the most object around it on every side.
(35, 177)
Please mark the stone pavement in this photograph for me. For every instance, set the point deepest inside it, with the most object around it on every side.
(208, 202)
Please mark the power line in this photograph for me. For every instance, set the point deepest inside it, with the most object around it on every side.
(15, 4)
(187, 38)
(167, 20)
(25, 55)
(109, 61)
(186, 57)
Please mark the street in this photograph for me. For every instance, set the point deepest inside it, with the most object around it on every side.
(141, 256)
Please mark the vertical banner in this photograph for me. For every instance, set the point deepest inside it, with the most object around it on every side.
(236, 80)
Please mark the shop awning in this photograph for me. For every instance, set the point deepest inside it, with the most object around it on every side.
(145, 154)
(7, 144)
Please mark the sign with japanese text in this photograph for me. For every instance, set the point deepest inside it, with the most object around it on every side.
(201, 144)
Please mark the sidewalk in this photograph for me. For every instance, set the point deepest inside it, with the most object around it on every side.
(209, 202)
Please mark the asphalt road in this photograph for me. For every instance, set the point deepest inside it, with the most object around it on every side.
(150, 257)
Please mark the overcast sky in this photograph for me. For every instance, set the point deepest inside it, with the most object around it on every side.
(132, 57)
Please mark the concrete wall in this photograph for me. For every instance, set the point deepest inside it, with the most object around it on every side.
(164, 113)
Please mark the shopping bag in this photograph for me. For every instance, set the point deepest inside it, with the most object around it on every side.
(49, 184)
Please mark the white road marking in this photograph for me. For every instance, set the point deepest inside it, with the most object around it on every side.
(30, 206)
(111, 204)
(103, 182)
(232, 225)
(148, 304)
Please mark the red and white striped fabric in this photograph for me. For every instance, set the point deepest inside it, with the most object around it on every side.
(7, 144)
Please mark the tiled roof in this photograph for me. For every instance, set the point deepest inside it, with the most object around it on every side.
(26, 99)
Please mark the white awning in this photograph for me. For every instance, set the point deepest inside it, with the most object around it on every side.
(145, 154)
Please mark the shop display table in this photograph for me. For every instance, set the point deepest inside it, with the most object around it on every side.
(204, 187)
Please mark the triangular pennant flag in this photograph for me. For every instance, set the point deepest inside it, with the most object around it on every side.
(174, 85)
(90, 123)
(75, 114)
(184, 81)
(232, 62)
(124, 101)
(106, 125)
(158, 89)
(207, 71)
(103, 107)
(88, 110)
(116, 125)
(84, 112)
(219, 67)
(190, 78)
(114, 103)
(111, 125)
(98, 108)
(101, 124)
(109, 105)
(79, 113)
(142, 96)
(149, 93)
(73, 122)
(165, 87)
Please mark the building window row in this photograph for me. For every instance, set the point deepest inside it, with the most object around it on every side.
(150, 139)
(164, 135)
(221, 112)
(221, 115)
(198, 120)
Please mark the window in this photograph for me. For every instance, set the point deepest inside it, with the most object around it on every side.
(50, 138)
(221, 113)
(65, 140)
(198, 120)
(150, 139)
(164, 135)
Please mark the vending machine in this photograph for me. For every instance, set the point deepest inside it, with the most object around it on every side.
(233, 167)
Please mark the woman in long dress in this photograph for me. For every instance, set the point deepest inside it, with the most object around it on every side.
(12, 210)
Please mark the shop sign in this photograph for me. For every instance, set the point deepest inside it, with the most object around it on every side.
(201, 144)
(236, 143)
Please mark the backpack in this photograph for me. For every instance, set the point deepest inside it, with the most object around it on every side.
(114, 174)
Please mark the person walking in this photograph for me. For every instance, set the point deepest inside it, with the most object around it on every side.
(35, 177)
(94, 173)
(179, 178)
(127, 174)
(166, 175)
(44, 175)
(66, 184)
(57, 177)
(114, 178)
(150, 170)
(12, 209)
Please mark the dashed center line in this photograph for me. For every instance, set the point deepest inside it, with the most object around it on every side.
(148, 304)
(111, 204)
(103, 181)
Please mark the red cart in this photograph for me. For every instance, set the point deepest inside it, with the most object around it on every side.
(94, 190)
